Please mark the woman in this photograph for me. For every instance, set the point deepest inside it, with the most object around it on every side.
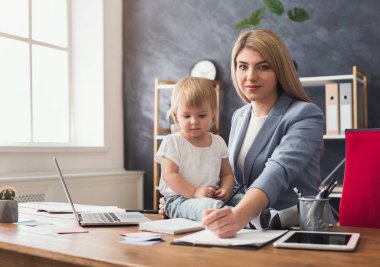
(275, 140)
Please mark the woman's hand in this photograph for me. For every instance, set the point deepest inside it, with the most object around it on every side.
(161, 210)
(223, 222)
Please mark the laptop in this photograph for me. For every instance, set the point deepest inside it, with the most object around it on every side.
(100, 218)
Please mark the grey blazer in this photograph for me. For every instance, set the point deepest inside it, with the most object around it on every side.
(285, 153)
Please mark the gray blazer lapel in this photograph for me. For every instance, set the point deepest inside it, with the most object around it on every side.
(265, 134)
(239, 133)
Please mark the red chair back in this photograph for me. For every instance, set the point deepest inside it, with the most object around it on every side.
(360, 203)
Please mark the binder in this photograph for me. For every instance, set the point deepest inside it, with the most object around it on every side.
(345, 101)
(332, 108)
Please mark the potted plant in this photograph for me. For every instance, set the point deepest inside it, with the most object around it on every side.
(276, 7)
(8, 205)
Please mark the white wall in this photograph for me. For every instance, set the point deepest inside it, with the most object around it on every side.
(101, 167)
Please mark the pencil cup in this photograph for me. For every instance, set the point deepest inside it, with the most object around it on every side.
(314, 214)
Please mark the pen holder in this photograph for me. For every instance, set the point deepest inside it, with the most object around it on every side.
(314, 214)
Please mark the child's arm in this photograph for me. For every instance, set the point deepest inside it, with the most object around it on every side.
(179, 185)
(226, 181)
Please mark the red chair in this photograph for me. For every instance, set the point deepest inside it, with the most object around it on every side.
(360, 203)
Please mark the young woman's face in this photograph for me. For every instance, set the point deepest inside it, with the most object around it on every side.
(194, 122)
(255, 77)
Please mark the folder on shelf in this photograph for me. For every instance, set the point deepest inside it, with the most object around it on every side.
(345, 101)
(332, 108)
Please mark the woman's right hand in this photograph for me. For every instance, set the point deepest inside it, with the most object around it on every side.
(222, 222)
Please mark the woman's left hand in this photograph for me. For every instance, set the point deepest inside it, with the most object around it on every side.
(222, 222)
(161, 210)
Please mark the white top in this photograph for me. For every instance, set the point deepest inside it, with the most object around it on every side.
(200, 166)
(255, 124)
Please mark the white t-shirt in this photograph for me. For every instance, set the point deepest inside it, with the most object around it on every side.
(254, 126)
(200, 166)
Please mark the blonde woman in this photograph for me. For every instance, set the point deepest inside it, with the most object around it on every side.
(275, 139)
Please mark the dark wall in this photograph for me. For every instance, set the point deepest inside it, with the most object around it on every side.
(164, 38)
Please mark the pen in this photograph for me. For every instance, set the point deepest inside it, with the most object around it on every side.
(324, 193)
(144, 211)
(232, 195)
(297, 191)
(331, 188)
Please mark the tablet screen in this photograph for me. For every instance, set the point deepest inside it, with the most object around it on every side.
(319, 238)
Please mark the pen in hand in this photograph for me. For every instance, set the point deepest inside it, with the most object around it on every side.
(232, 195)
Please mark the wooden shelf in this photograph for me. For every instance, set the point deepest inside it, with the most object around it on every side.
(358, 78)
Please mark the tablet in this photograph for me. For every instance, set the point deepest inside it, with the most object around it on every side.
(318, 240)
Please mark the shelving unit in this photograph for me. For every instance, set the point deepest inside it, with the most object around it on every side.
(358, 79)
(160, 132)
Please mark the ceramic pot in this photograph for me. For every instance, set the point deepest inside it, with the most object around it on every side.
(8, 211)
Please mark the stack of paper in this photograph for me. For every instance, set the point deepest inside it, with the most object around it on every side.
(171, 226)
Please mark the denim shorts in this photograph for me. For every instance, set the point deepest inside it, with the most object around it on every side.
(191, 208)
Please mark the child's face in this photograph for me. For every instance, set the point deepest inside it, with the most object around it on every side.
(194, 122)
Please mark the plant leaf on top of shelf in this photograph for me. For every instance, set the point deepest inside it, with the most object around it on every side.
(298, 14)
(275, 6)
(253, 21)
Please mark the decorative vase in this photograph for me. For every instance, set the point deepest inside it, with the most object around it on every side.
(8, 211)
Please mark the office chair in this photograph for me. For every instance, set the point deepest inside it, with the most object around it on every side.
(360, 203)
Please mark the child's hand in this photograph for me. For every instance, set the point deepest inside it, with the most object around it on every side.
(205, 191)
(221, 194)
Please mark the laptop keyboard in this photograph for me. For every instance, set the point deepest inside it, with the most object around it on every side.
(99, 217)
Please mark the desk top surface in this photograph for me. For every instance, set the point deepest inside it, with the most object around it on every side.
(101, 247)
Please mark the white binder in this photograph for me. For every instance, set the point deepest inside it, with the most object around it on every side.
(345, 101)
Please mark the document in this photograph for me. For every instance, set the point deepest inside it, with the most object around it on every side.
(171, 226)
(345, 100)
(245, 238)
(332, 109)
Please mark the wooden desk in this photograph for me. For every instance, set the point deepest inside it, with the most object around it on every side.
(39, 246)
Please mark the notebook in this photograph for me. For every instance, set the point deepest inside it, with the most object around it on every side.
(100, 218)
(245, 238)
(171, 226)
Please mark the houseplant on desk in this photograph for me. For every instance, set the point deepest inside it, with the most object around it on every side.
(8, 205)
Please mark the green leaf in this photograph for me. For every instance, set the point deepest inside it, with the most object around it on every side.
(257, 16)
(298, 14)
(253, 21)
(244, 23)
(275, 6)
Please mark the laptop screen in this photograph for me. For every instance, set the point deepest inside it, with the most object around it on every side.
(65, 189)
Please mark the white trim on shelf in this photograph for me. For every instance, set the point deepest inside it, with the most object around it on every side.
(323, 80)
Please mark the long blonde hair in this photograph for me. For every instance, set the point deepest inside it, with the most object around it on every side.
(271, 47)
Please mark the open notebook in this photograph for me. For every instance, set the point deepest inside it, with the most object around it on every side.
(100, 218)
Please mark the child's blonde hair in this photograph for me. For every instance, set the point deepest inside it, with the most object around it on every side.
(193, 92)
